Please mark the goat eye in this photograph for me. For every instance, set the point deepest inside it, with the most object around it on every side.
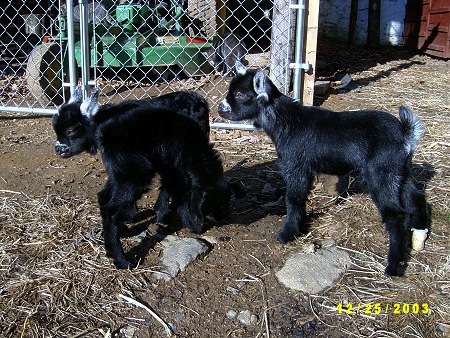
(241, 96)
(71, 132)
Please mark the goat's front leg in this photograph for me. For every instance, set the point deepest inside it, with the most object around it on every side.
(114, 214)
(296, 192)
(112, 243)
(104, 197)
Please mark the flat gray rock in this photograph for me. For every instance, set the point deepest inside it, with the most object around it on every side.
(313, 272)
(178, 253)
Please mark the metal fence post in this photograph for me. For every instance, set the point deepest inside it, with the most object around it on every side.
(71, 47)
(298, 64)
(85, 46)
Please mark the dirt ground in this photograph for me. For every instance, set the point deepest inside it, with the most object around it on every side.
(55, 280)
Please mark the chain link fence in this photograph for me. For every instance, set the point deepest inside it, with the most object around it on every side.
(137, 48)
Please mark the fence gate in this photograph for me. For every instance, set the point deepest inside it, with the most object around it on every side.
(136, 49)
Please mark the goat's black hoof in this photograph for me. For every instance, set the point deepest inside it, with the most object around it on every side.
(162, 212)
(124, 264)
(162, 217)
(124, 231)
(285, 237)
(216, 218)
(393, 271)
(196, 230)
(194, 227)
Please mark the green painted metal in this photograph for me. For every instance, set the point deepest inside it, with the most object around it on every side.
(142, 38)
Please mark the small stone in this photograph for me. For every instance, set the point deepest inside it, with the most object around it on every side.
(247, 318)
(444, 328)
(179, 317)
(178, 293)
(178, 253)
(327, 243)
(314, 272)
(231, 314)
(232, 290)
(128, 332)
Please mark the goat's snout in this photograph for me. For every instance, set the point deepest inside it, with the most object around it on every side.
(61, 149)
(224, 106)
(224, 109)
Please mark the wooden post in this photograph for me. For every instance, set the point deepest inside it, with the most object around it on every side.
(353, 21)
(282, 37)
(311, 51)
(373, 31)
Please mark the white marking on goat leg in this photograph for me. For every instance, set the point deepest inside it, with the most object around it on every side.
(418, 238)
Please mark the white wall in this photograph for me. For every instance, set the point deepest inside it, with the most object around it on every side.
(334, 19)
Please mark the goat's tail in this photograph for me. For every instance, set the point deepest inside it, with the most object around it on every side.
(413, 128)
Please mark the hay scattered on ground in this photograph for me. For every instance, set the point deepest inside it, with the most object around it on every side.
(54, 277)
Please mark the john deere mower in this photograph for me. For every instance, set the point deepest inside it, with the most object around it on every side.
(131, 35)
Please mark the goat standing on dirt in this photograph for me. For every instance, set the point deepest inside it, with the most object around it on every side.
(312, 140)
(138, 139)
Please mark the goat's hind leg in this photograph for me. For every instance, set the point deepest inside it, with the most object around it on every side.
(386, 189)
(188, 206)
(216, 200)
(161, 207)
(416, 208)
(415, 204)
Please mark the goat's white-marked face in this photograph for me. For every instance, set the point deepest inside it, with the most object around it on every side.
(241, 100)
(73, 125)
(71, 130)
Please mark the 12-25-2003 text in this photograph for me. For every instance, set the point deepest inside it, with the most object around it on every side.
(379, 308)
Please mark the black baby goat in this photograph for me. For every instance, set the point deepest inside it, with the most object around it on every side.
(167, 135)
(312, 140)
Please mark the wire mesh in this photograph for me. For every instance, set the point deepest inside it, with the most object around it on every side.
(137, 48)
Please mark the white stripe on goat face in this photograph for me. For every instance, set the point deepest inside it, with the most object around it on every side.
(225, 106)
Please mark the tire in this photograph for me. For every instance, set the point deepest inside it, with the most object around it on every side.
(45, 74)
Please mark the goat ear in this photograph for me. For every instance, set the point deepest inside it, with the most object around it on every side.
(90, 106)
(77, 95)
(240, 68)
(259, 85)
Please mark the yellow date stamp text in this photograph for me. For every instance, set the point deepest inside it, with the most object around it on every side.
(379, 308)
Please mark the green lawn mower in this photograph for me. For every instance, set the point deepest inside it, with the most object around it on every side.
(131, 35)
